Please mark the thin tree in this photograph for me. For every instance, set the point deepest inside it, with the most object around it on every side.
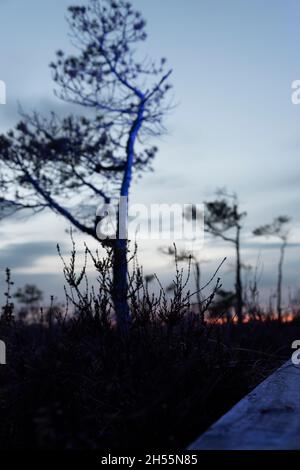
(223, 219)
(278, 228)
(73, 165)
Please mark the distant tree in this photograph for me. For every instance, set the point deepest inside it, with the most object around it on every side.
(28, 295)
(75, 164)
(223, 219)
(222, 304)
(278, 228)
(251, 291)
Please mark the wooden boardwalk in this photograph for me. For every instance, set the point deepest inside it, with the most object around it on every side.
(268, 418)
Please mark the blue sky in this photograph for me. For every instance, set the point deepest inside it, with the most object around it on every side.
(234, 126)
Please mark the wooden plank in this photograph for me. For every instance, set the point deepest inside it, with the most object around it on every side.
(268, 418)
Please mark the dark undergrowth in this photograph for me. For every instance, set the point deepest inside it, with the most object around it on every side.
(76, 382)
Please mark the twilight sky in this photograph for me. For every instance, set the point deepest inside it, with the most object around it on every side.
(234, 125)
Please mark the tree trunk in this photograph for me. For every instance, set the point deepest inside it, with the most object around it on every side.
(238, 282)
(120, 264)
(279, 281)
(120, 284)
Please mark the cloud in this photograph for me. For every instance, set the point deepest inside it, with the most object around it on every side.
(25, 255)
(268, 246)
(10, 113)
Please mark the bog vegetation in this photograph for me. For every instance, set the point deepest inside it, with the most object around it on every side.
(74, 380)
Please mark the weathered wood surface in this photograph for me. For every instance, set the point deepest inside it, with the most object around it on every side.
(268, 418)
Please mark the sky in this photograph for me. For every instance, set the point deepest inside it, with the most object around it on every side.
(234, 124)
